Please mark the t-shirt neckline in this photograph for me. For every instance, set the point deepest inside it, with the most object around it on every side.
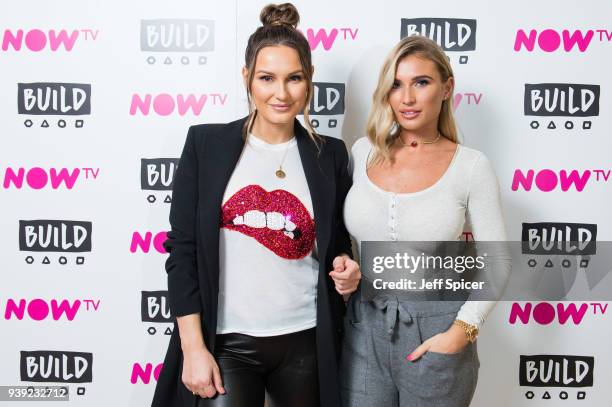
(256, 142)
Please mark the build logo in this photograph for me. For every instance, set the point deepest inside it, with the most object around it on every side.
(452, 34)
(558, 245)
(556, 377)
(177, 41)
(155, 309)
(51, 366)
(68, 239)
(156, 176)
(57, 104)
(566, 101)
(327, 105)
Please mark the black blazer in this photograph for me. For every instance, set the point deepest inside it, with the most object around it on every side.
(206, 164)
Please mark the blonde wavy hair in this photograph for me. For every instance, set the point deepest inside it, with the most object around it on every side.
(382, 128)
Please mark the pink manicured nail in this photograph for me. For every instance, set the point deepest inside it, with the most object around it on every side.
(409, 357)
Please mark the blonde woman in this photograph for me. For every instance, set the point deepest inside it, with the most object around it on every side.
(413, 181)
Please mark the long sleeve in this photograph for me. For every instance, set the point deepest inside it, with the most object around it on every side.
(181, 267)
(485, 214)
(343, 184)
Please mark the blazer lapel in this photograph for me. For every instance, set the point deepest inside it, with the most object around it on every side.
(319, 170)
(222, 151)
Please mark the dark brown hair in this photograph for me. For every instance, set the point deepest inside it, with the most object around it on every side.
(279, 28)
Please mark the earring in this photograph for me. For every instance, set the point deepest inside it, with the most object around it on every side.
(394, 128)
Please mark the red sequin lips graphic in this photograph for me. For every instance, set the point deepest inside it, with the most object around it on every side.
(276, 219)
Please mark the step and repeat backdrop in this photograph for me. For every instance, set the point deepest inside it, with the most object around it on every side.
(95, 101)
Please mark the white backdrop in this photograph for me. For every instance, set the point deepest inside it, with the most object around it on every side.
(111, 50)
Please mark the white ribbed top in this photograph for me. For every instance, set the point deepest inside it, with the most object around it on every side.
(468, 190)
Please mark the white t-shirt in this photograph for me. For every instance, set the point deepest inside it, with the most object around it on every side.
(468, 190)
(267, 255)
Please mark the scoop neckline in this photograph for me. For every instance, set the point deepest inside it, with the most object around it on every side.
(255, 141)
(439, 181)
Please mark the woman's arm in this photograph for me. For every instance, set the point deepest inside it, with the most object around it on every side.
(485, 212)
(346, 274)
(344, 181)
(183, 285)
(200, 371)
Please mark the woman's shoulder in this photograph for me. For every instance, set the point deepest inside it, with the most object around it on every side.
(332, 142)
(204, 129)
(471, 155)
(475, 162)
(361, 147)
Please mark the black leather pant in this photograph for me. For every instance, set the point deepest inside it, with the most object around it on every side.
(284, 366)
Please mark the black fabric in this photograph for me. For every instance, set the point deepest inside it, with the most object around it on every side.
(210, 154)
(284, 366)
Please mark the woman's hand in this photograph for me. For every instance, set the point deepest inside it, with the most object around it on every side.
(451, 341)
(201, 373)
(346, 274)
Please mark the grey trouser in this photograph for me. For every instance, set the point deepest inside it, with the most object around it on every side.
(378, 336)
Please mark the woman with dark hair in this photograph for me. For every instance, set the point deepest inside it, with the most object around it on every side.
(257, 226)
(422, 186)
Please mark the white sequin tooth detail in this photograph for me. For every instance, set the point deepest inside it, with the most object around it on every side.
(271, 220)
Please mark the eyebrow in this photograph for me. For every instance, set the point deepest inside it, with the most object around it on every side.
(416, 78)
(270, 73)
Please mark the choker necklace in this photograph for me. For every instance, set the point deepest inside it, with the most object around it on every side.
(414, 143)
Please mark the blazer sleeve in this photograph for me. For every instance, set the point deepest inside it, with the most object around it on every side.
(181, 265)
(344, 181)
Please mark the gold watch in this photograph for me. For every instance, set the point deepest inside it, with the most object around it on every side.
(471, 331)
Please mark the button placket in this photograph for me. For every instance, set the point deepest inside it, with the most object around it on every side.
(392, 217)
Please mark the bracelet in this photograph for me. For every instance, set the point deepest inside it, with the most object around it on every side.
(471, 331)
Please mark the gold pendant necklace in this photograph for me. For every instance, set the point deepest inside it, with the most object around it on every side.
(280, 173)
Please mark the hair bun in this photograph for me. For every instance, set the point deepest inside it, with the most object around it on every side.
(278, 14)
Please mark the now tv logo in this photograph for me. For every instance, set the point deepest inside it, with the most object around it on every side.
(39, 178)
(144, 242)
(144, 373)
(545, 313)
(550, 40)
(327, 37)
(165, 104)
(547, 180)
(37, 40)
(39, 309)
